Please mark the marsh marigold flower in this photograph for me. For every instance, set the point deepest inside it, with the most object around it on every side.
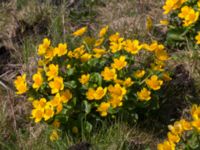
(44, 46)
(52, 71)
(117, 46)
(172, 5)
(56, 85)
(85, 57)
(166, 145)
(84, 78)
(48, 112)
(20, 84)
(139, 73)
(117, 90)
(65, 96)
(103, 109)
(37, 114)
(119, 63)
(103, 31)
(154, 83)
(132, 47)
(98, 42)
(99, 52)
(61, 49)
(115, 101)
(161, 55)
(38, 80)
(144, 95)
(128, 82)
(97, 94)
(109, 74)
(188, 15)
(39, 103)
(197, 38)
(80, 31)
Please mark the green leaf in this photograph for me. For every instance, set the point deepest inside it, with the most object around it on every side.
(70, 84)
(87, 126)
(93, 62)
(70, 71)
(87, 106)
(96, 78)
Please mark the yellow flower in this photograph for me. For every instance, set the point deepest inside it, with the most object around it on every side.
(52, 71)
(85, 57)
(56, 123)
(99, 52)
(80, 31)
(119, 63)
(56, 100)
(115, 101)
(54, 135)
(50, 53)
(56, 85)
(98, 42)
(153, 46)
(39, 103)
(161, 55)
(196, 124)
(114, 37)
(97, 94)
(103, 109)
(44, 46)
(84, 78)
(46, 43)
(48, 112)
(166, 76)
(90, 94)
(37, 114)
(41, 50)
(186, 125)
(128, 82)
(195, 112)
(188, 15)
(132, 47)
(164, 22)
(38, 80)
(100, 93)
(109, 74)
(61, 49)
(117, 90)
(139, 73)
(166, 145)
(154, 83)
(65, 96)
(172, 5)
(144, 95)
(176, 128)
(59, 108)
(20, 84)
(117, 46)
(197, 38)
(79, 51)
(173, 138)
(103, 31)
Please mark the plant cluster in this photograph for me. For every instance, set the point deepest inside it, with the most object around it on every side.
(183, 22)
(81, 81)
(185, 133)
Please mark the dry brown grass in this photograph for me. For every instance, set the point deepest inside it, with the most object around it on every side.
(129, 17)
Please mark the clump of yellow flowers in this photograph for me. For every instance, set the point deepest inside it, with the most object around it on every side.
(90, 78)
(183, 21)
(184, 134)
